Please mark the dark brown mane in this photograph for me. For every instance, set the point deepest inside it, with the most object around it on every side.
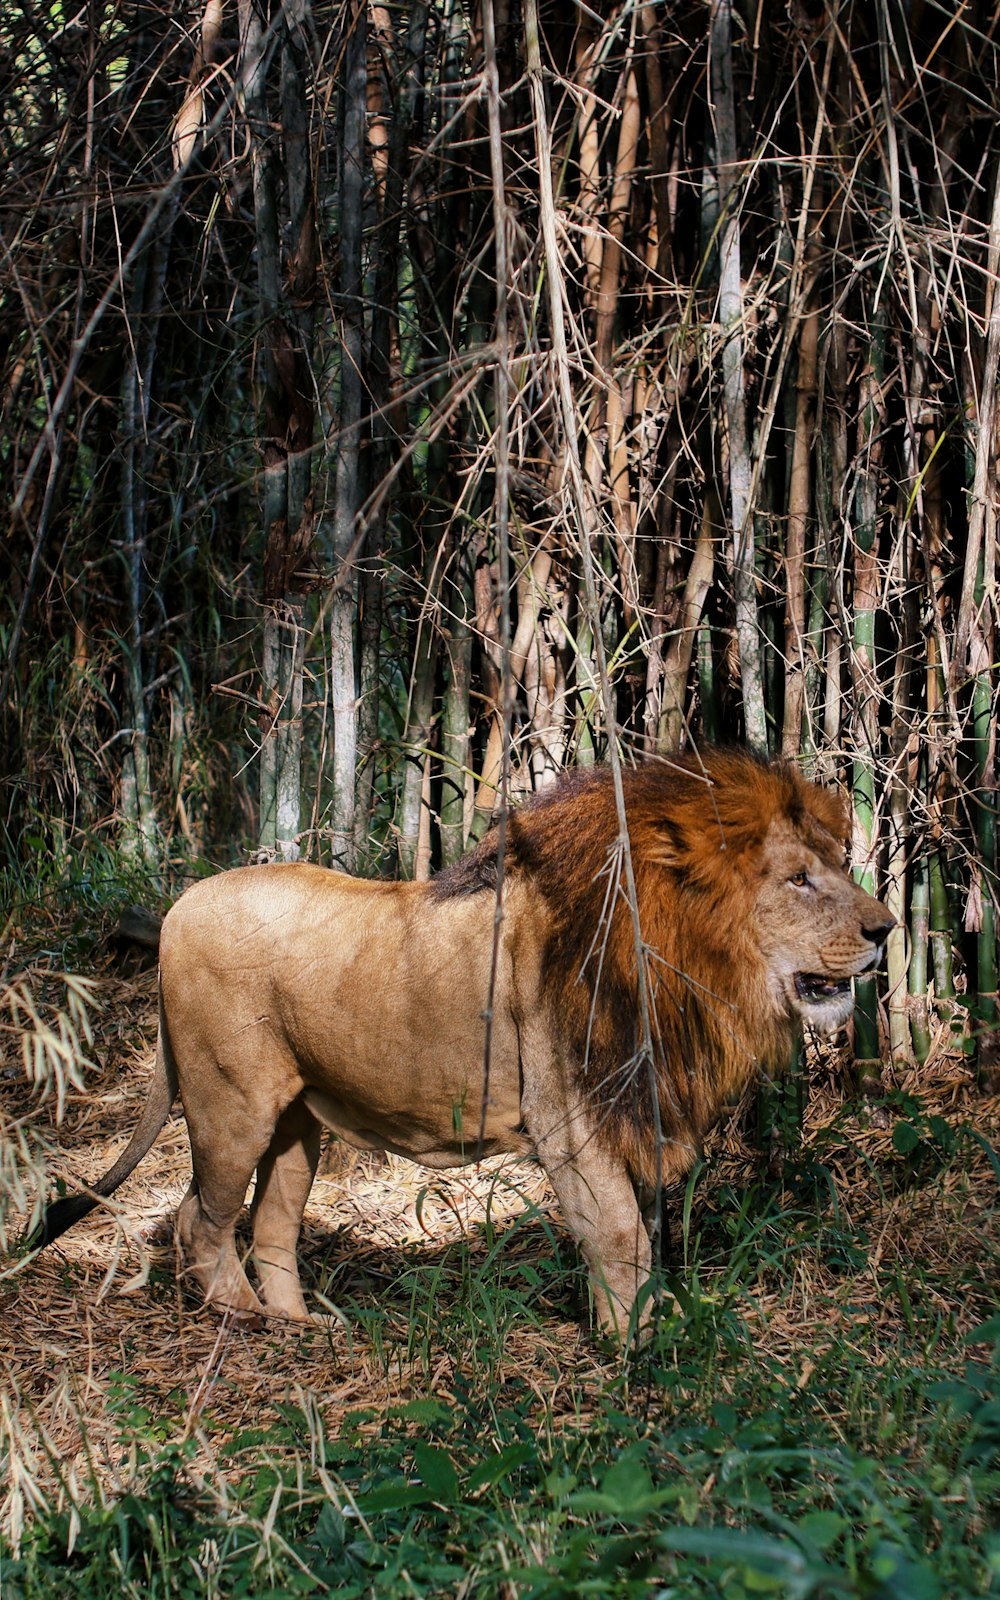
(696, 829)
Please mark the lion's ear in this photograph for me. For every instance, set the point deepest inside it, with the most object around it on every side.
(830, 808)
(695, 846)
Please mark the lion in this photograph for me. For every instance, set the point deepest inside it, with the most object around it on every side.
(293, 998)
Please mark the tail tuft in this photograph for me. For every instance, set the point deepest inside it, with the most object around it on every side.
(59, 1216)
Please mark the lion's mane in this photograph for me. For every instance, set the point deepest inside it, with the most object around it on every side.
(696, 830)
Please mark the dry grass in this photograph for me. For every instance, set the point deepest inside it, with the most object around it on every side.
(106, 1304)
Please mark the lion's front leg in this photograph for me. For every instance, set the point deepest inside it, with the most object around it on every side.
(597, 1199)
(285, 1175)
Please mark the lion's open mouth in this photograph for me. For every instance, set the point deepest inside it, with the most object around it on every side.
(813, 986)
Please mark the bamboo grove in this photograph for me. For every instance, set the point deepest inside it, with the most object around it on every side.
(401, 402)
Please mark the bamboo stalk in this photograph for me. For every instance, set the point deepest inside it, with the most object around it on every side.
(414, 795)
(940, 920)
(979, 566)
(866, 686)
(708, 688)
(545, 681)
(822, 710)
(799, 512)
(286, 426)
(677, 658)
(941, 927)
(589, 157)
(975, 629)
(659, 127)
(894, 896)
(609, 409)
(984, 755)
(385, 436)
(490, 776)
(731, 318)
(455, 724)
(141, 829)
(902, 745)
(343, 684)
(917, 977)
(370, 609)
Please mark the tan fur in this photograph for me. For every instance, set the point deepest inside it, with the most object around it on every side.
(292, 996)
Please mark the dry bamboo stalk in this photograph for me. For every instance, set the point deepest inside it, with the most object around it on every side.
(665, 608)
(654, 656)
(608, 407)
(659, 126)
(823, 693)
(979, 623)
(379, 120)
(799, 512)
(501, 454)
(590, 156)
(731, 318)
(867, 692)
(455, 728)
(347, 501)
(978, 545)
(677, 661)
(422, 855)
(413, 802)
(489, 782)
(545, 680)
(629, 130)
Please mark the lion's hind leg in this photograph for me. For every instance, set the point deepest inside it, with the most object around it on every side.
(285, 1175)
(231, 1131)
(206, 1233)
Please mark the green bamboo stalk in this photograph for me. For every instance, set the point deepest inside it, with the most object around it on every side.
(986, 834)
(894, 895)
(707, 690)
(940, 927)
(920, 900)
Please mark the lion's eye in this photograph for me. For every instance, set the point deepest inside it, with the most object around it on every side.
(800, 880)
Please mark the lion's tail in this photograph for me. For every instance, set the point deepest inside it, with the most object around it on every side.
(162, 1093)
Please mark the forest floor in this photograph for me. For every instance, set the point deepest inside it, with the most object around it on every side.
(852, 1289)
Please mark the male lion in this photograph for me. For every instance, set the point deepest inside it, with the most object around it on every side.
(292, 997)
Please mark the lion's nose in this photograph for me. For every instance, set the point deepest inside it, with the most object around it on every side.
(879, 931)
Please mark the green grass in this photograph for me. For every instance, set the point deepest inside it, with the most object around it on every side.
(882, 1488)
(819, 1420)
(714, 1463)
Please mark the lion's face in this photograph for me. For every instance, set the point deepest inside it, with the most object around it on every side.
(817, 929)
